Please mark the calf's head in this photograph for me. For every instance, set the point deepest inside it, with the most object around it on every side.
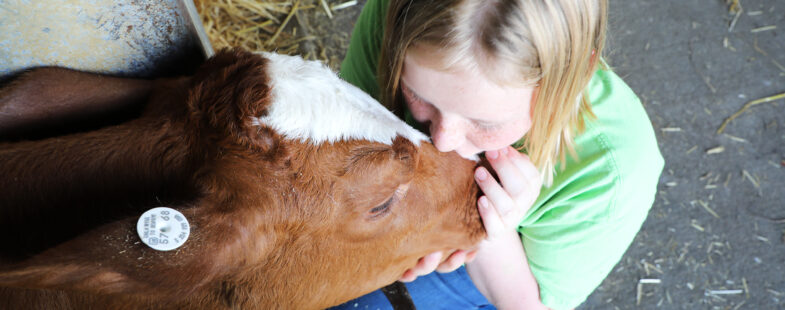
(347, 196)
(311, 194)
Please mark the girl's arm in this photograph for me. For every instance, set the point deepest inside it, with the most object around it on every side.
(501, 273)
(500, 269)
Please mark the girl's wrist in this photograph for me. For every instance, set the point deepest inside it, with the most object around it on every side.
(500, 240)
(501, 273)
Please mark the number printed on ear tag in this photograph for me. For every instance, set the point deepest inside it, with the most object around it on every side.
(163, 228)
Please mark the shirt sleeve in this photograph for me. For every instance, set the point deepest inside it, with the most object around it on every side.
(580, 227)
(359, 67)
(570, 259)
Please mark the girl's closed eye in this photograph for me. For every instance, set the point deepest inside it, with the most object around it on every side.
(421, 109)
(485, 126)
(411, 96)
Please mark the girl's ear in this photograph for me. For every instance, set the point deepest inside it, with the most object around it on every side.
(593, 59)
(533, 101)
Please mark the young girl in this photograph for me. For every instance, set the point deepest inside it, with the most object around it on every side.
(482, 75)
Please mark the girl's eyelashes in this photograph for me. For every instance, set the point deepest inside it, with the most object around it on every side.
(419, 107)
(416, 102)
(486, 126)
(412, 96)
(409, 94)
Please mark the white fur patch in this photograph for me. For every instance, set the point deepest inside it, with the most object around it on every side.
(311, 103)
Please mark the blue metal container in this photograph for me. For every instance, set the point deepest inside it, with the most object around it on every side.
(138, 38)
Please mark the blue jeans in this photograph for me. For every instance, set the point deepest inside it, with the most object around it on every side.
(435, 291)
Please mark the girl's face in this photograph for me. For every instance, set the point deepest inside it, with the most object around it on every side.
(466, 112)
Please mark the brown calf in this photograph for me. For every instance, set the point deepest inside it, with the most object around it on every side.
(277, 222)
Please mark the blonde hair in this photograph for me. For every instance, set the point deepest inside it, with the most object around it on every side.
(555, 44)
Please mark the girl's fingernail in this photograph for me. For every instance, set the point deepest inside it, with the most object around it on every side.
(483, 202)
(481, 174)
(491, 154)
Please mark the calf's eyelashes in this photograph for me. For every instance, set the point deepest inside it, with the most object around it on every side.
(382, 209)
(386, 207)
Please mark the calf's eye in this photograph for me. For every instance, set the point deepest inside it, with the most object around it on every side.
(382, 209)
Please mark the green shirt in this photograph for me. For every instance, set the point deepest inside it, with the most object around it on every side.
(581, 225)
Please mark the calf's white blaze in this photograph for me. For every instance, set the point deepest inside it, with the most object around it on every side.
(312, 104)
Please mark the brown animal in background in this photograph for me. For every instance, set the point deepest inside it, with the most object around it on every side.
(292, 203)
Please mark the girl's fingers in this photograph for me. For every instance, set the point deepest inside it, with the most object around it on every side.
(490, 218)
(493, 191)
(526, 167)
(425, 265)
(408, 276)
(429, 263)
(519, 188)
(455, 260)
(510, 174)
(471, 255)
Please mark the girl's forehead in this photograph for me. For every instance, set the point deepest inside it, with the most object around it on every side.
(464, 91)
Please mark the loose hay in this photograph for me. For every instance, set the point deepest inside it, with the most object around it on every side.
(249, 24)
(764, 28)
(272, 25)
(715, 150)
(747, 106)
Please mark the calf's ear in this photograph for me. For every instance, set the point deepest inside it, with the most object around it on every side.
(112, 259)
(405, 150)
(50, 100)
(98, 261)
(228, 92)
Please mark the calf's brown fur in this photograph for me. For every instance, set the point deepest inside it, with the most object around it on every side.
(276, 223)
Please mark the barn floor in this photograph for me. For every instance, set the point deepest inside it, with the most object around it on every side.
(715, 238)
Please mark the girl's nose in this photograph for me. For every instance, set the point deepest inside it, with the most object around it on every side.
(446, 134)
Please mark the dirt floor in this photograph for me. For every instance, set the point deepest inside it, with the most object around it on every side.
(715, 237)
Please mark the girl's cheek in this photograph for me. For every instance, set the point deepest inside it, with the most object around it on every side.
(499, 138)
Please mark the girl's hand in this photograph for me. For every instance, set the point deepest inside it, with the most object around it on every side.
(501, 272)
(431, 262)
(503, 206)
